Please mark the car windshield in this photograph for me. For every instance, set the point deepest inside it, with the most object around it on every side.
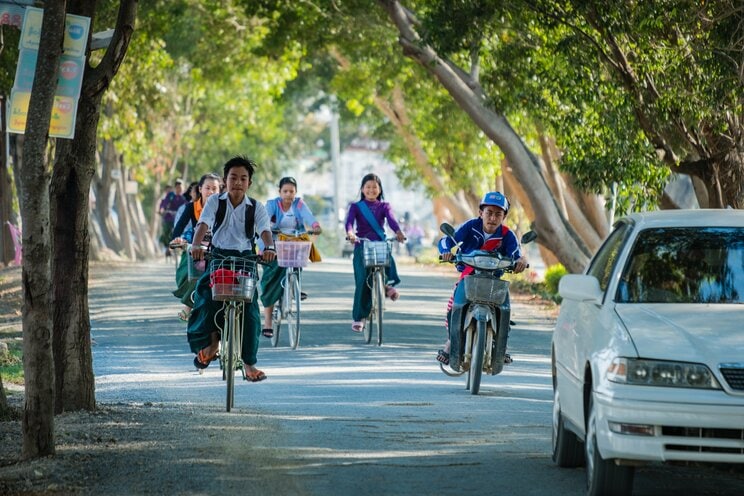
(685, 265)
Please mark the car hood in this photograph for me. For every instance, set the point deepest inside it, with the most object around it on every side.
(688, 332)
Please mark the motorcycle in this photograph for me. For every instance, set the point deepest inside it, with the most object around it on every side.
(480, 328)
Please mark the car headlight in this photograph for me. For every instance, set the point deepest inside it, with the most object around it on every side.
(642, 372)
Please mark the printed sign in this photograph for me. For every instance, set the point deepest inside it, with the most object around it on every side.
(69, 74)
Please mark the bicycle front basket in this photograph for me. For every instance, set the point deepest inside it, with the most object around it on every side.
(195, 267)
(293, 253)
(486, 289)
(376, 254)
(233, 279)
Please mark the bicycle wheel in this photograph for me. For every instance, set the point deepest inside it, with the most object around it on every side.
(276, 321)
(229, 347)
(372, 313)
(293, 309)
(380, 297)
(476, 365)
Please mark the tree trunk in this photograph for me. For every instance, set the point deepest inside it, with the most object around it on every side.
(38, 364)
(122, 210)
(396, 112)
(551, 225)
(73, 172)
(146, 246)
(103, 189)
(731, 173)
(155, 220)
(3, 399)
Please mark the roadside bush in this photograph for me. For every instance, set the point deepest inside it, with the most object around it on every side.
(11, 362)
(552, 278)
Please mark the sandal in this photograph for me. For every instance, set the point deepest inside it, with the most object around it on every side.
(268, 332)
(357, 326)
(202, 359)
(443, 357)
(184, 314)
(254, 375)
(391, 293)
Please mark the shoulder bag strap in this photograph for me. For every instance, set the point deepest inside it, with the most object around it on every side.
(367, 213)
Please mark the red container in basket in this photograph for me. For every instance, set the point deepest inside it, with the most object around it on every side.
(223, 276)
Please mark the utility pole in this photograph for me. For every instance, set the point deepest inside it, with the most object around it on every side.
(335, 152)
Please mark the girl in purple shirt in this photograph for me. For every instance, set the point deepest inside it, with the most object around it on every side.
(371, 197)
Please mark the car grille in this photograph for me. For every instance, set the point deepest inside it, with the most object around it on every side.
(734, 375)
(728, 436)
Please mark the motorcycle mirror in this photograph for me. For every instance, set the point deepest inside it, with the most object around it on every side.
(529, 237)
(447, 229)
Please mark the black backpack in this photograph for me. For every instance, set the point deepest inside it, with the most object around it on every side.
(250, 218)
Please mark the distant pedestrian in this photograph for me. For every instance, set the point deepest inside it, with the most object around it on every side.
(169, 205)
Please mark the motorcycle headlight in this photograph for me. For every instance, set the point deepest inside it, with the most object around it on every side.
(487, 262)
(640, 372)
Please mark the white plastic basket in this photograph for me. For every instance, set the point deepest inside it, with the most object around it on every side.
(233, 279)
(376, 253)
(293, 253)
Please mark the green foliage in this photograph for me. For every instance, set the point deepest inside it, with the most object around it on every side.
(194, 91)
(548, 60)
(11, 363)
(364, 38)
(553, 276)
(8, 58)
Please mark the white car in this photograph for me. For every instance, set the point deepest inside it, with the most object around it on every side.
(648, 348)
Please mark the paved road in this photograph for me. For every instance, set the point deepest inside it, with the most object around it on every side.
(355, 418)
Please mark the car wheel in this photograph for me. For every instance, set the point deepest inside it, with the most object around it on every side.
(603, 477)
(568, 451)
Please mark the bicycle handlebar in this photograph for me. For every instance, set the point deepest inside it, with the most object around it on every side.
(209, 256)
(390, 240)
(454, 260)
(296, 232)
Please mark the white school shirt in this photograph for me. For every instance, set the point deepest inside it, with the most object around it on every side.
(231, 233)
(288, 223)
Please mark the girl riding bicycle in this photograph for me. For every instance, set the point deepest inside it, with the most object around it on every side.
(231, 236)
(183, 232)
(288, 214)
(369, 215)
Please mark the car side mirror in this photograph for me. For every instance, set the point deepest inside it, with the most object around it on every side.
(580, 287)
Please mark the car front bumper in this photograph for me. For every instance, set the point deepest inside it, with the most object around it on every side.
(680, 431)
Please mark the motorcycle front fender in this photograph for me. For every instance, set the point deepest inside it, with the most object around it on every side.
(480, 313)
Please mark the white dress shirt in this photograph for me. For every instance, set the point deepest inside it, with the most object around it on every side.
(231, 233)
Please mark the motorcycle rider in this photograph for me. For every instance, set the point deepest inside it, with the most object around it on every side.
(485, 232)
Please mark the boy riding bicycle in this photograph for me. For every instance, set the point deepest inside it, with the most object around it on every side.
(234, 219)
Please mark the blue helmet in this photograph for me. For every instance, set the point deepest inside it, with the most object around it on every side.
(495, 199)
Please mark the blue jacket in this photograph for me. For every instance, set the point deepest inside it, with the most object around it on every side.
(472, 237)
